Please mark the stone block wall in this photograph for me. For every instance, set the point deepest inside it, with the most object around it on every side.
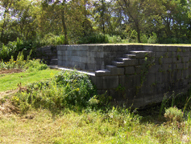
(47, 54)
(134, 75)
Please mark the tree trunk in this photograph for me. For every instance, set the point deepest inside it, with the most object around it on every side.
(64, 23)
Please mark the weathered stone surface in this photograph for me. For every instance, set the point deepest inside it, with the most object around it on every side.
(115, 70)
(128, 80)
(102, 72)
(131, 62)
(130, 70)
(110, 82)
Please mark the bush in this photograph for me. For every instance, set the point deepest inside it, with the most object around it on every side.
(173, 114)
(144, 38)
(66, 90)
(51, 39)
(153, 38)
(94, 38)
(114, 39)
(20, 63)
(13, 48)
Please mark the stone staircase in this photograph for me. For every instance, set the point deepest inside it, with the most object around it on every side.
(128, 64)
(54, 61)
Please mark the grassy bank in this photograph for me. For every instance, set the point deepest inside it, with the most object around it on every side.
(65, 108)
(11, 81)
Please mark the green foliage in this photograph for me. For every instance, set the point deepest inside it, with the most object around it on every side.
(66, 90)
(144, 38)
(152, 38)
(94, 38)
(114, 39)
(13, 48)
(20, 63)
(51, 39)
(173, 114)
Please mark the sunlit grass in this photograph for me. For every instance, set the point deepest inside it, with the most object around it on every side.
(92, 127)
(10, 81)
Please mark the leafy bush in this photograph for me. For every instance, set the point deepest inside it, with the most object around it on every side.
(20, 63)
(51, 39)
(13, 48)
(144, 38)
(94, 38)
(173, 114)
(66, 90)
(114, 39)
(153, 38)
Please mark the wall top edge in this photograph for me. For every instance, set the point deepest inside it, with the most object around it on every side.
(144, 45)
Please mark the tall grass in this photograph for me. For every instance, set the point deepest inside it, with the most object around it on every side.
(20, 63)
(66, 90)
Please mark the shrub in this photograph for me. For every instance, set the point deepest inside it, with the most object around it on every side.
(153, 38)
(51, 39)
(114, 39)
(93, 38)
(20, 63)
(173, 114)
(66, 90)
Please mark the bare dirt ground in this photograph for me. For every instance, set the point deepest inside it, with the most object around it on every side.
(7, 71)
(7, 107)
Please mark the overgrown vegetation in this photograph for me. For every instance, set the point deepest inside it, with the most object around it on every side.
(21, 63)
(66, 109)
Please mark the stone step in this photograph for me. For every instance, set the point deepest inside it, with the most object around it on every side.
(141, 54)
(103, 72)
(54, 62)
(123, 59)
(131, 56)
(118, 64)
(115, 70)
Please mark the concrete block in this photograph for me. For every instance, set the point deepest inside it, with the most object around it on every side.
(179, 66)
(93, 79)
(175, 60)
(141, 61)
(99, 83)
(179, 75)
(154, 69)
(110, 82)
(60, 58)
(160, 54)
(167, 60)
(130, 62)
(166, 67)
(59, 52)
(185, 59)
(150, 79)
(104, 72)
(185, 65)
(141, 54)
(115, 70)
(185, 74)
(130, 70)
(60, 63)
(147, 90)
(82, 53)
(138, 69)
(118, 64)
(159, 78)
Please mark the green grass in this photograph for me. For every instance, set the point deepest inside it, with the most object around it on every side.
(10, 81)
(89, 127)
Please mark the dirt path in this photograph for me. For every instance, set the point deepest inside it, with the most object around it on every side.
(6, 71)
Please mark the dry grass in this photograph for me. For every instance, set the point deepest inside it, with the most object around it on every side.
(8, 71)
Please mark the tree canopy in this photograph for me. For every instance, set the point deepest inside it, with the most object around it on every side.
(157, 21)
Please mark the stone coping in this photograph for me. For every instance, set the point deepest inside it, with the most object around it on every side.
(70, 69)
